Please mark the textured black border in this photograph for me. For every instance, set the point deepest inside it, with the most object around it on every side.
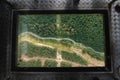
(108, 64)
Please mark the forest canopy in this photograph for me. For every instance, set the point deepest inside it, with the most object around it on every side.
(83, 28)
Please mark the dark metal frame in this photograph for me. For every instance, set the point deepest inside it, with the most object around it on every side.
(108, 64)
(6, 7)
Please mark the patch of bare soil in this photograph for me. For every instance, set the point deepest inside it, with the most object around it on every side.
(25, 58)
(36, 43)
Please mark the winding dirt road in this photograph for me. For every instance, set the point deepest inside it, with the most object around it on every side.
(92, 62)
(26, 58)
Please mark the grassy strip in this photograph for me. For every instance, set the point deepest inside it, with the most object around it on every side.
(33, 50)
(29, 63)
(73, 57)
(66, 43)
(87, 50)
(98, 56)
(50, 63)
(64, 64)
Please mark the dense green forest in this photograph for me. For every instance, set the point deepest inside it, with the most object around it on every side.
(84, 28)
